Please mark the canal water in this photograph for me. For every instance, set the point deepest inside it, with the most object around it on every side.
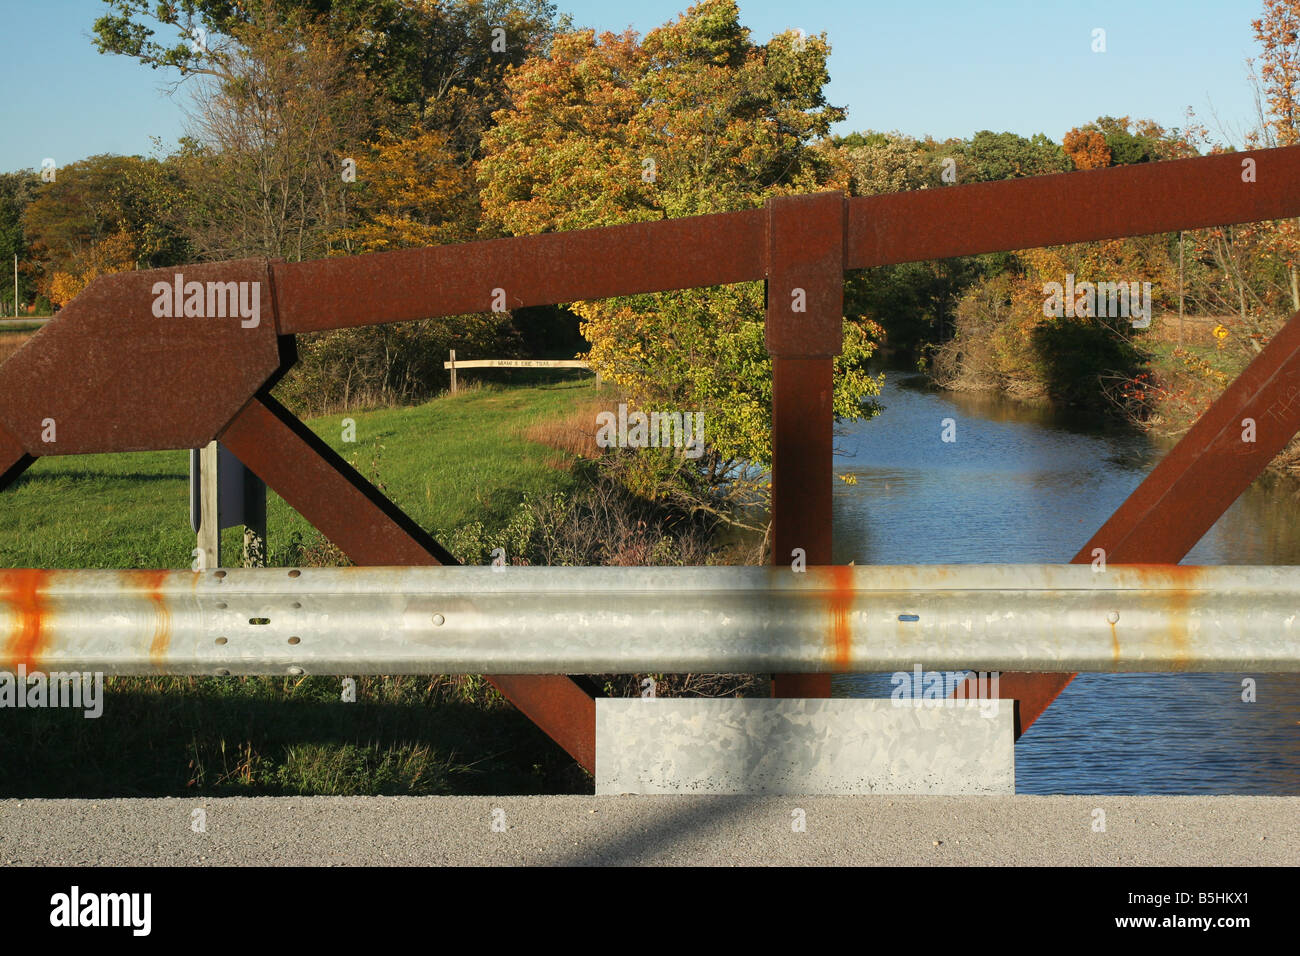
(1021, 485)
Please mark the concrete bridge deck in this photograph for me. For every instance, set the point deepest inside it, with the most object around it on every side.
(662, 830)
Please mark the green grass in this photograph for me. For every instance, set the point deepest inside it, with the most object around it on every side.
(446, 463)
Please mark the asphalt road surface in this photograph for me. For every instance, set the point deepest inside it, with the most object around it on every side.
(707, 830)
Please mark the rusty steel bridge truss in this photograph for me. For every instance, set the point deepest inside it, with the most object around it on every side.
(117, 378)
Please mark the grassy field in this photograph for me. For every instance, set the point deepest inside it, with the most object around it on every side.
(11, 340)
(449, 462)
(445, 463)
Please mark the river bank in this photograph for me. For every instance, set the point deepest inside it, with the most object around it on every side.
(1162, 397)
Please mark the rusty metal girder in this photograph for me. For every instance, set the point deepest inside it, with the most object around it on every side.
(371, 530)
(805, 309)
(1081, 206)
(1227, 448)
(529, 270)
(802, 473)
(109, 375)
(113, 377)
(805, 276)
(732, 247)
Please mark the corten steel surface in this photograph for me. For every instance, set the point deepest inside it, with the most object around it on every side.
(532, 270)
(1192, 486)
(1072, 207)
(13, 460)
(732, 247)
(802, 428)
(805, 259)
(527, 620)
(114, 377)
(370, 529)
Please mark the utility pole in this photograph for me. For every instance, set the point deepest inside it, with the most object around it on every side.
(15, 285)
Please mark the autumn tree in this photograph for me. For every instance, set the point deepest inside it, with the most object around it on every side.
(1278, 34)
(433, 65)
(102, 214)
(413, 191)
(17, 190)
(1277, 86)
(263, 158)
(1086, 148)
(693, 118)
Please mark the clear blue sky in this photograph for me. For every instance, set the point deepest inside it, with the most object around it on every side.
(943, 67)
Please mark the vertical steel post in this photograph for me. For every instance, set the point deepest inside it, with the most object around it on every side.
(805, 310)
(453, 371)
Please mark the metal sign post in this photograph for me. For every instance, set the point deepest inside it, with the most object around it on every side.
(225, 494)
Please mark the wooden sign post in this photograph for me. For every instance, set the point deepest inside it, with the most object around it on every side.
(512, 363)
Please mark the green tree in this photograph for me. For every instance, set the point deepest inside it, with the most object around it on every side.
(439, 65)
(694, 118)
(993, 156)
(17, 190)
(128, 198)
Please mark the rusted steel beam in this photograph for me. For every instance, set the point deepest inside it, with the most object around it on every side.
(527, 270)
(13, 459)
(1071, 207)
(109, 374)
(805, 310)
(1192, 486)
(325, 489)
(730, 247)
(372, 530)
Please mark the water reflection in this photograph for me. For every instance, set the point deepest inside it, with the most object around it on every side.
(1024, 485)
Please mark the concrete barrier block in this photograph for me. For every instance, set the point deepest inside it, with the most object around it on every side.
(836, 746)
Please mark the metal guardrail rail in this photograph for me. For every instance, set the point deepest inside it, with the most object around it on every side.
(525, 620)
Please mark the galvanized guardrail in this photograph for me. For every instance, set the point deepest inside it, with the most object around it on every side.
(518, 620)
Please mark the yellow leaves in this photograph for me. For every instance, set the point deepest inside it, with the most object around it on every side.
(1087, 148)
(417, 194)
(113, 253)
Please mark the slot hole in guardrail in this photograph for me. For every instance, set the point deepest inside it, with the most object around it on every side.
(295, 640)
(909, 618)
(259, 620)
(221, 640)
